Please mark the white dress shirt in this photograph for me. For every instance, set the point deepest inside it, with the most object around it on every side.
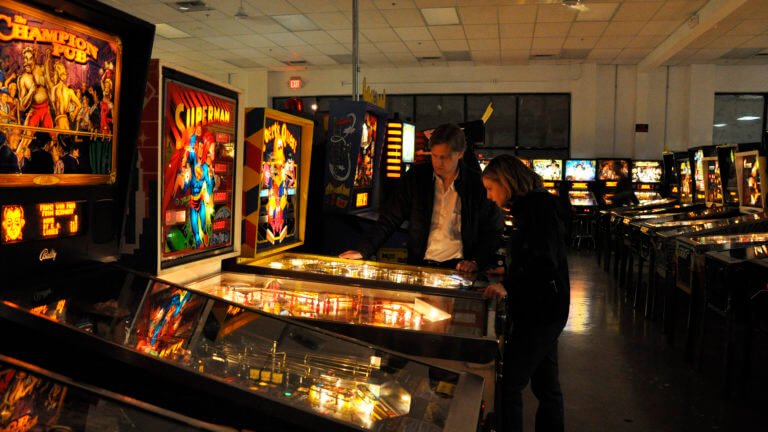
(444, 241)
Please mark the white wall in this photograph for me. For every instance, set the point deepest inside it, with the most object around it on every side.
(677, 102)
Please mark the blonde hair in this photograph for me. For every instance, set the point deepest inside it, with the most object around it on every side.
(512, 174)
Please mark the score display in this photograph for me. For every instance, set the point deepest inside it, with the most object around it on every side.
(41, 221)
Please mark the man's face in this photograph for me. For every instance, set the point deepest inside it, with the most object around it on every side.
(28, 60)
(13, 222)
(444, 161)
(62, 71)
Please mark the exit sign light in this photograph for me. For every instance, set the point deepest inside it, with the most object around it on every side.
(295, 83)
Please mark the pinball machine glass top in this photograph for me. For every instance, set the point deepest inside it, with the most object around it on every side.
(646, 172)
(548, 169)
(750, 173)
(612, 169)
(409, 142)
(583, 170)
(60, 103)
(199, 133)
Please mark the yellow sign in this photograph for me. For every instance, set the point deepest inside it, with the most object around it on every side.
(488, 112)
(374, 97)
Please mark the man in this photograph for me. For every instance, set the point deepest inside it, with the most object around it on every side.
(452, 223)
(33, 94)
(62, 96)
(12, 157)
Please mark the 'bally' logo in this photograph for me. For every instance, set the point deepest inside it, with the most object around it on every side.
(45, 254)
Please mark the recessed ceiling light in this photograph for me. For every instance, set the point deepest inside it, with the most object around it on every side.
(748, 117)
(295, 22)
(170, 32)
(440, 16)
(720, 124)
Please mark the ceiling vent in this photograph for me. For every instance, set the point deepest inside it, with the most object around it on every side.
(297, 62)
(741, 53)
(457, 55)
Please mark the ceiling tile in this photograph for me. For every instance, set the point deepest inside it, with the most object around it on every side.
(547, 43)
(390, 4)
(728, 42)
(680, 57)
(303, 50)
(413, 33)
(659, 28)
(580, 42)
(320, 60)
(637, 11)
(198, 29)
(332, 49)
(401, 59)
(623, 28)
(507, 31)
(403, 17)
(230, 27)
(432, 3)
(380, 35)
(263, 25)
(603, 55)
(371, 19)
(440, 16)
(756, 42)
(315, 37)
(708, 54)
(678, 10)
(598, 12)
(447, 32)
(388, 47)
(613, 41)
(517, 14)
(516, 44)
(296, 22)
(646, 42)
(486, 57)
(420, 46)
(197, 44)
(631, 56)
(555, 13)
(347, 5)
(226, 42)
(477, 31)
(749, 28)
(515, 55)
(256, 41)
(453, 45)
(312, 6)
(331, 20)
(274, 7)
(551, 29)
(284, 39)
(345, 36)
(479, 15)
(587, 28)
(484, 44)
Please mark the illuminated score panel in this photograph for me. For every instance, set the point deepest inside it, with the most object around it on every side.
(394, 150)
(28, 222)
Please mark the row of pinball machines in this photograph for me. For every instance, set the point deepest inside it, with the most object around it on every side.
(196, 288)
(720, 220)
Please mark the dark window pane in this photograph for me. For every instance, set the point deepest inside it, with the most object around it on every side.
(544, 121)
(738, 118)
(434, 110)
(401, 106)
(500, 127)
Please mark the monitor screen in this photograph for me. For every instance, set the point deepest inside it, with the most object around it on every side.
(751, 195)
(646, 172)
(198, 155)
(549, 169)
(366, 157)
(409, 142)
(581, 198)
(580, 170)
(613, 169)
(279, 183)
(59, 106)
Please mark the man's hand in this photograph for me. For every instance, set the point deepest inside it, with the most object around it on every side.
(499, 271)
(467, 266)
(495, 291)
(351, 254)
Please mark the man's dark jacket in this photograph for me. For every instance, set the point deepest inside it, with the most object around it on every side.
(481, 220)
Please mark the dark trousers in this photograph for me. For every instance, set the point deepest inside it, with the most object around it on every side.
(531, 354)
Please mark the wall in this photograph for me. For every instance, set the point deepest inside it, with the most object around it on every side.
(607, 101)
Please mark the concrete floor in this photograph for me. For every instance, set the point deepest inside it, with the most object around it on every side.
(620, 373)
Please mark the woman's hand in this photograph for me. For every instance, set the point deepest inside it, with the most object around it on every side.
(495, 291)
(466, 266)
(351, 254)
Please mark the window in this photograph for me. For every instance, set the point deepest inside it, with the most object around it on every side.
(739, 118)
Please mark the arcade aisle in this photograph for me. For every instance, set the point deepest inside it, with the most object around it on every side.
(618, 372)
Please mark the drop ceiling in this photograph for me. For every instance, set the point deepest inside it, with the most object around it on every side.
(291, 34)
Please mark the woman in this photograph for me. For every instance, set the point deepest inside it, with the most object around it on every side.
(537, 290)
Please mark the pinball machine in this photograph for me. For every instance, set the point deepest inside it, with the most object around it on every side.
(551, 172)
(355, 140)
(37, 399)
(713, 188)
(647, 178)
(579, 175)
(686, 185)
(609, 172)
(726, 159)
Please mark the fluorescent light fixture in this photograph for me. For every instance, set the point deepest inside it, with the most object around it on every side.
(720, 124)
(748, 117)
(295, 22)
(440, 16)
(170, 32)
